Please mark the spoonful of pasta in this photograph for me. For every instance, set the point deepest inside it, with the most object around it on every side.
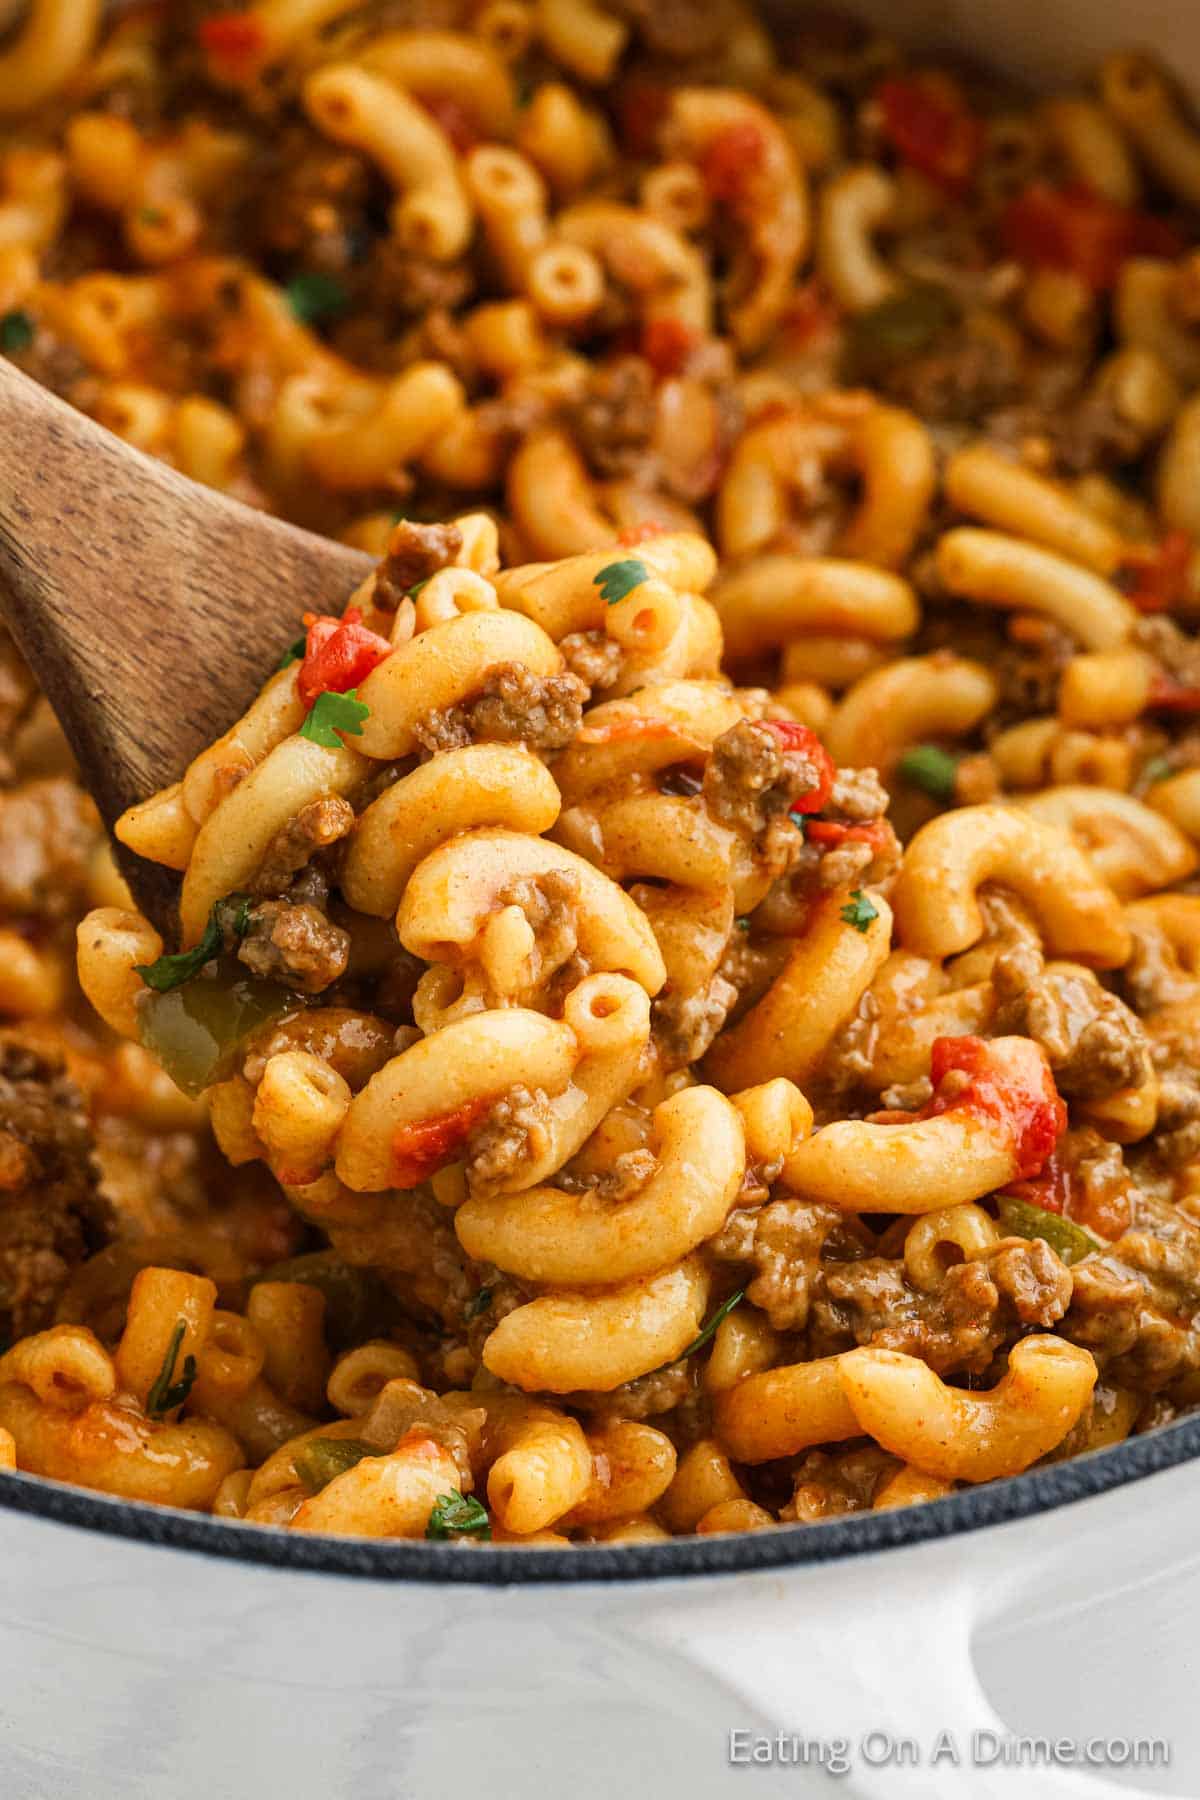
(148, 607)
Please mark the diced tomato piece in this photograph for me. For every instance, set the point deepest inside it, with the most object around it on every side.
(811, 316)
(876, 832)
(1051, 1190)
(627, 731)
(418, 1446)
(338, 655)
(639, 534)
(929, 125)
(1103, 1206)
(455, 120)
(419, 1150)
(1031, 1113)
(731, 159)
(234, 44)
(1074, 229)
(802, 740)
(667, 345)
(1155, 578)
(1169, 695)
(640, 113)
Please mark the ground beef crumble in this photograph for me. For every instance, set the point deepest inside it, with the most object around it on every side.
(315, 827)
(685, 1024)
(511, 1134)
(783, 1244)
(593, 657)
(307, 205)
(514, 706)
(296, 945)
(662, 1391)
(619, 1181)
(414, 1251)
(51, 1214)
(550, 902)
(613, 420)
(415, 552)
(1135, 1305)
(18, 693)
(750, 779)
(831, 1482)
(982, 1305)
(958, 382)
(48, 831)
(1094, 1044)
(1178, 653)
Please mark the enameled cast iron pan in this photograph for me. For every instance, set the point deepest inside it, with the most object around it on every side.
(150, 1652)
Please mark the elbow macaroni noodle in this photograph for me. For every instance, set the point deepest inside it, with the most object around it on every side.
(694, 975)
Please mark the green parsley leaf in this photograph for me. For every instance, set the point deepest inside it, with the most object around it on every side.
(617, 580)
(316, 296)
(319, 1461)
(167, 1394)
(480, 1304)
(151, 215)
(294, 652)
(1020, 1218)
(925, 766)
(708, 1330)
(859, 911)
(797, 819)
(16, 332)
(742, 924)
(416, 587)
(167, 972)
(454, 1515)
(1157, 769)
(332, 713)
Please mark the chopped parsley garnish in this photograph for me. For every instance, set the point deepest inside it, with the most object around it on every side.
(797, 819)
(928, 767)
(742, 924)
(454, 1515)
(1021, 1218)
(617, 580)
(859, 911)
(1157, 769)
(166, 1394)
(723, 1311)
(152, 215)
(318, 1462)
(480, 1304)
(16, 331)
(167, 972)
(332, 713)
(416, 587)
(316, 296)
(294, 652)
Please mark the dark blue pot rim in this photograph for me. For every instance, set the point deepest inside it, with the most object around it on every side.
(973, 1509)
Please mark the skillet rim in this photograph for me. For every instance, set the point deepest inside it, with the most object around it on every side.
(796, 1546)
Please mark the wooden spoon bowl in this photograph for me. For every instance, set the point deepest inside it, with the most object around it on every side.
(149, 608)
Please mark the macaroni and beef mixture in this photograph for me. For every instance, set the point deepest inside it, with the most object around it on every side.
(694, 977)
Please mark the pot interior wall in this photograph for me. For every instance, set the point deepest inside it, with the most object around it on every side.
(1038, 41)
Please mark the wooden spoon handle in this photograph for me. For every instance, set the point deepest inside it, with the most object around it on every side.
(149, 608)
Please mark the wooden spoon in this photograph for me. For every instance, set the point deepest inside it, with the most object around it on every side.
(151, 609)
